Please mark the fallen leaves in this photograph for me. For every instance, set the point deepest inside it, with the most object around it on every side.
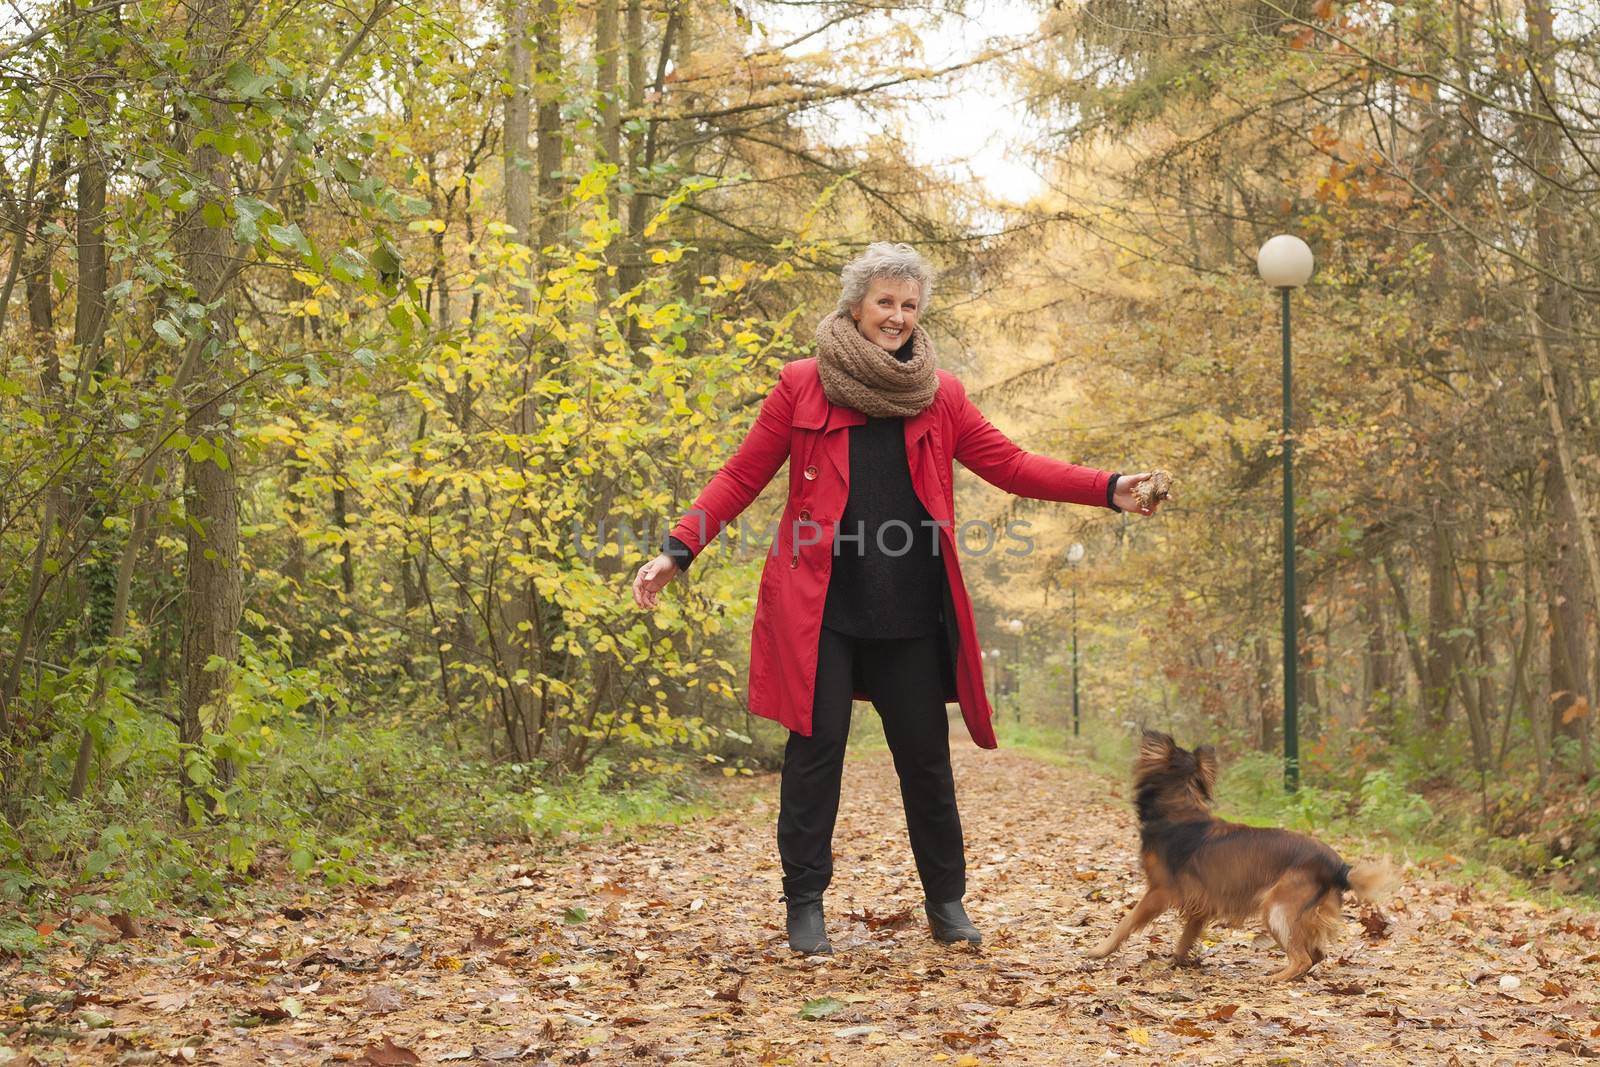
(601, 955)
(1374, 924)
(1184, 1028)
(381, 1000)
(388, 1054)
(483, 941)
(891, 921)
(820, 1008)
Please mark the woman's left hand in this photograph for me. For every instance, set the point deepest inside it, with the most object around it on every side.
(1124, 497)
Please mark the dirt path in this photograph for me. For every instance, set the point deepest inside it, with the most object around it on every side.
(672, 950)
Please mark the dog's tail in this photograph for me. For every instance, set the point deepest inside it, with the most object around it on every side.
(1368, 880)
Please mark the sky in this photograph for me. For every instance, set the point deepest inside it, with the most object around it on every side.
(972, 123)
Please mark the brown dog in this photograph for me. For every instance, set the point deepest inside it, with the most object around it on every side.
(1216, 871)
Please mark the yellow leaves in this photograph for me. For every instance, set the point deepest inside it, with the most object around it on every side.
(593, 185)
(277, 433)
(314, 282)
(664, 315)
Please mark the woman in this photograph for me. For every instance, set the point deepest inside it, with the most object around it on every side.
(862, 592)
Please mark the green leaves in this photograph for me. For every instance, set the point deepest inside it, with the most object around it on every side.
(385, 260)
(821, 1008)
(247, 83)
(288, 236)
(349, 265)
(248, 212)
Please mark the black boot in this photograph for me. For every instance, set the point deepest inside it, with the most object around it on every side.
(950, 924)
(806, 932)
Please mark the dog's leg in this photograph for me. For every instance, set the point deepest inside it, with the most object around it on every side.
(1153, 904)
(1192, 928)
(1300, 962)
(1295, 912)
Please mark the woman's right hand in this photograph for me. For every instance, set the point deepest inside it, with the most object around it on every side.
(651, 579)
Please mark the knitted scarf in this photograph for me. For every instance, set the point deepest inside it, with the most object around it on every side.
(858, 374)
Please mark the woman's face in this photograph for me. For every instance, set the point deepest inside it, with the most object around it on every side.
(888, 311)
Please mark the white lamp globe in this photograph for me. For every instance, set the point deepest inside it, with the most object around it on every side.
(1075, 553)
(1285, 262)
(1015, 626)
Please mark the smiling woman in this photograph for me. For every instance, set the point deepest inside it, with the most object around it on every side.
(862, 597)
(889, 311)
(884, 290)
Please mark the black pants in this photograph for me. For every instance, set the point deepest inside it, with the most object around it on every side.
(904, 681)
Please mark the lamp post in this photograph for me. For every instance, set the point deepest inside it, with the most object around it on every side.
(1074, 557)
(1285, 263)
(1015, 626)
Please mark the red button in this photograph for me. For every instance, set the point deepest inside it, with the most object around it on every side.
(805, 514)
(811, 474)
(794, 561)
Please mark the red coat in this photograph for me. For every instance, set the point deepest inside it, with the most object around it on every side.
(798, 423)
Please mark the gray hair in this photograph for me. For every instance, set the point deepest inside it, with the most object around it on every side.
(883, 259)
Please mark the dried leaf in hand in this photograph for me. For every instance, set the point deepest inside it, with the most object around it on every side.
(1153, 489)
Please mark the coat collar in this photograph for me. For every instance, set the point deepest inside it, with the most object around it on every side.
(814, 411)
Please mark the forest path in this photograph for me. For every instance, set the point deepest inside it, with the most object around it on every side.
(671, 949)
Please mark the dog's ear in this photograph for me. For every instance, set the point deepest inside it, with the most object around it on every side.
(1155, 749)
(1205, 758)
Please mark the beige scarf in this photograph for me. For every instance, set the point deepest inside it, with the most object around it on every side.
(858, 374)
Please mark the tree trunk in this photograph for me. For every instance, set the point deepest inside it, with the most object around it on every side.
(1549, 318)
(607, 46)
(340, 508)
(518, 156)
(629, 273)
(213, 596)
(547, 90)
(1441, 620)
(41, 330)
